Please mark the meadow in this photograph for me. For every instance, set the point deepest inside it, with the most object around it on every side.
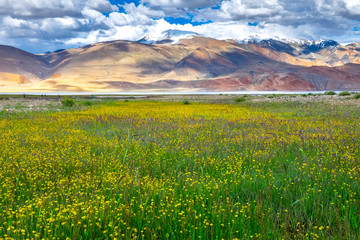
(167, 170)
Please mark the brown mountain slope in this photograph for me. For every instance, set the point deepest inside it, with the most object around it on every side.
(11, 79)
(16, 61)
(192, 64)
(330, 57)
(102, 65)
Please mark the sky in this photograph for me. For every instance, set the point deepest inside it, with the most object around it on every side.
(47, 25)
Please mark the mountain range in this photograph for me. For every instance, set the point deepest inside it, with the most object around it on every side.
(185, 61)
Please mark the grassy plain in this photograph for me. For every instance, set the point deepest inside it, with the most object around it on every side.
(208, 169)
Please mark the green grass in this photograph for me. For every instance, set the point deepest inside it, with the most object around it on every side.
(159, 170)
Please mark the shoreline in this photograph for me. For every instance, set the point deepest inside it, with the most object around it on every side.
(163, 93)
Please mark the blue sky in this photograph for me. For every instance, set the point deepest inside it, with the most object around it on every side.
(47, 25)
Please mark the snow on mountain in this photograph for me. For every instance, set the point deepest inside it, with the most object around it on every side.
(257, 38)
(171, 36)
(289, 45)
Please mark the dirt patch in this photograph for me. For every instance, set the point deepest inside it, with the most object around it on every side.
(9, 104)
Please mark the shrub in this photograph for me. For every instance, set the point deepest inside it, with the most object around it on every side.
(330, 93)
(344, 94)
(357, 96)
(240, 99)
(67, 102)
(87, 103)
(186, 102)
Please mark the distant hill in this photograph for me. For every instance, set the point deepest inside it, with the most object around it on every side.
(185, 61)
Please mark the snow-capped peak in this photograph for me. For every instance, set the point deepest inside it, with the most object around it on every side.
(257, 38)
(171, 36)
(289, 45)
(291, 41)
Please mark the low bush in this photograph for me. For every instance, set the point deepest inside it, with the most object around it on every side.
(330, 93)
(240, 99)
(67, 102)
(344, 94)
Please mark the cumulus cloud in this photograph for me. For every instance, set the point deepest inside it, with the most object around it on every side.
(182, 3)
(92, 14)
(316, 18)
(101, 5)
(240, 9)
(141, 9)
(29, 24)
(178, 8)
(279, 9)
(38, 8)
(49, 8)
(346, 8)
(122, 19)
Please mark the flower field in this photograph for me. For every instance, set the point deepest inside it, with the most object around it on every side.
(159, 170)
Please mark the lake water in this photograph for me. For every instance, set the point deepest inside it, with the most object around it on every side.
(160, 93)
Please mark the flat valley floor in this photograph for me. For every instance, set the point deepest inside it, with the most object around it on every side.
(180, 167)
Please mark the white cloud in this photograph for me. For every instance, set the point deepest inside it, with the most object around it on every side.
(240, 9)
(282, 11)
(94, 15)
(131, 8)
(101, 5)
(59, 27)
(68, 23)
(50, 8)
(38, 8)
(122, 19)
(353, 8)
(316, 18)
(182, 3)
(17, 23)
(178, 8)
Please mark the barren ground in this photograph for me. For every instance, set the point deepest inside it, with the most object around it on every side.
(38, 103)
